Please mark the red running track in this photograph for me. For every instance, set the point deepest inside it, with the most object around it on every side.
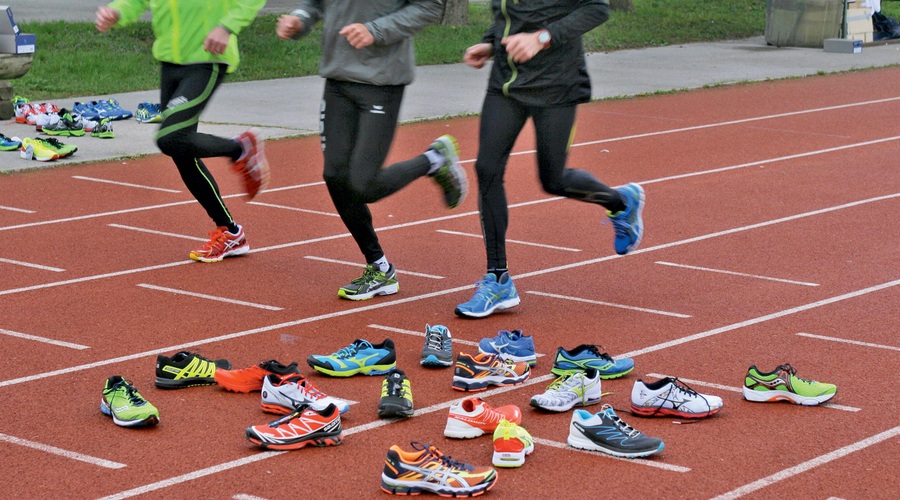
(771, 237)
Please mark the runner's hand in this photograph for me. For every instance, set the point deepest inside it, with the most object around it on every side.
(522, 46)
(477, 55)
(106, 18)
(357, 35)
(217, 41)
(288, 26)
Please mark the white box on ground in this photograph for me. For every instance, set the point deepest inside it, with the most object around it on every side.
(8, 25)
(23, 43)
(842, 46)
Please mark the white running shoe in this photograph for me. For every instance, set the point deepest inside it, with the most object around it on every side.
(670, 397)
(568, 391)
(283, 395)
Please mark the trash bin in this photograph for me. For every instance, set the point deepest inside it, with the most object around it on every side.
(803, 23)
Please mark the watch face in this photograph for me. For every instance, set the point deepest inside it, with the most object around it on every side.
(544, 37)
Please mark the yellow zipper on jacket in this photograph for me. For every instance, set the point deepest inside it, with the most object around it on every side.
(509, 59)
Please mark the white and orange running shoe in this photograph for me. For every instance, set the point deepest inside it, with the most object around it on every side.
(221, 244)
(472, 417)
(282, 394)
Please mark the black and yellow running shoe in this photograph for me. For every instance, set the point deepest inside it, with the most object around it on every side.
(186, 369)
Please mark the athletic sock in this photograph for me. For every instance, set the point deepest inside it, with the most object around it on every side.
(233, 228)
(498, 272)
(436, 159)
(382, 264)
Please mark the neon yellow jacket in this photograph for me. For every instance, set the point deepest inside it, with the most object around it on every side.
(180, 26)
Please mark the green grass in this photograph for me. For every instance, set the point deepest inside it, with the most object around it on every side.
(73, 59)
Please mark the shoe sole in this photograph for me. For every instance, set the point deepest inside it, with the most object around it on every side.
(500, 306)
(508, 459)
(470, 385)
(321, 442)
(237, 252)
(603, 376)
(563, 408)
(583, 443)
(775, 396)
(366, 370)
(640, 211)
(432, 360)
(400, 487)
(642, 411)
(385, 290)
(393, 411)
(165, 383)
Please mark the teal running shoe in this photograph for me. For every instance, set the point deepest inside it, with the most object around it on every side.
(586, 356)
(628, 224)
(9, 143)
(125, 405)
(490, 295)
(513, 346)
(359, 357)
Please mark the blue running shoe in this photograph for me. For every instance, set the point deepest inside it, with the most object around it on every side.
(490, 295)
(590, 356)
(359, 357)
(87, 110)
(628, 224)
(438, 349)
(510, 346)
(9, 143)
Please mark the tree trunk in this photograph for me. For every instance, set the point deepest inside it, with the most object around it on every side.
(456, 12)
(623, 5)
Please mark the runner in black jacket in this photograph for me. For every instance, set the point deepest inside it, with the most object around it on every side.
(539, 71)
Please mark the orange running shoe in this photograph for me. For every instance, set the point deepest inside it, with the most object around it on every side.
(303, 427)
(252, 164)
(251, 379)
(472, 417)
(427, 469)
(221, 244)
(476, 373)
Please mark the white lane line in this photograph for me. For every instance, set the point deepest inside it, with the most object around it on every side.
(639, 461)
(126, 184)
(608, 304)
(854, 342)
(14, 209)
(722, 271)
(35, 266)
(296, 186)
(809, 464)
(761, 319)
(210, 297)
(740, 390)
(244, 496)
(422, 335)
(358, 265)
(296, 209)
(61, 452)
(94, 277)
(520, 242)
(160, 233)
(43, 339)
(419, 334)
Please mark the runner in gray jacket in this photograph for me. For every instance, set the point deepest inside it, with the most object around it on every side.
(367, 60)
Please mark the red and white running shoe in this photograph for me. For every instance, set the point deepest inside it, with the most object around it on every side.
(221, 244)
(252, 164)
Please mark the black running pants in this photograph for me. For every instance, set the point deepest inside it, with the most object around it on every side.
(358, 122)
(184, 92)
(502, 119)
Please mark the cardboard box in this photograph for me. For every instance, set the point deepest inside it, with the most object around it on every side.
(842, 46)
(8, 25)
(22, 43)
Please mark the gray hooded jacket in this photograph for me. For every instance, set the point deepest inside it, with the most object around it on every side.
(388, 61)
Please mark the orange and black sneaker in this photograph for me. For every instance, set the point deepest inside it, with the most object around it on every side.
(252, 164)
(427, 469)
(222, 243)
(476, 373)
(251, 379)
(305, 426)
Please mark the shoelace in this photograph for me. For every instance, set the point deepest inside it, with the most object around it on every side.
(621, 424)
(434, 340)
(352, 349)
(368, 276)
(311, 390)
(600, 352)
(793, 371)
(395, 387)
(679, 386)
(435, 453)
(52, 141)
(133, 396)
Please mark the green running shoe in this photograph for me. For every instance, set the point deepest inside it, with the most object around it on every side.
(103, 130)
(60, 148)
(782, 384)
(125, 405)
(373, 282)
(396, 396)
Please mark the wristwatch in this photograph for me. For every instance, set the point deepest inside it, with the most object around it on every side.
(544, 38)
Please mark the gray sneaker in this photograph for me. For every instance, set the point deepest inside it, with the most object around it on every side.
(438, 350)
(373, 282)
(450, 176)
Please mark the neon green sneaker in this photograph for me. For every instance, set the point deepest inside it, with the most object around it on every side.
(60, 148)
(782, 384)
(373, 282)
(511, 444)
(125, 405)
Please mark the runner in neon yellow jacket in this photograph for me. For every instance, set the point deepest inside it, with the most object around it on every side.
(182, 26)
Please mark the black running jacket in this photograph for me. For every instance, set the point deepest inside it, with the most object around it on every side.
(558, 74)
